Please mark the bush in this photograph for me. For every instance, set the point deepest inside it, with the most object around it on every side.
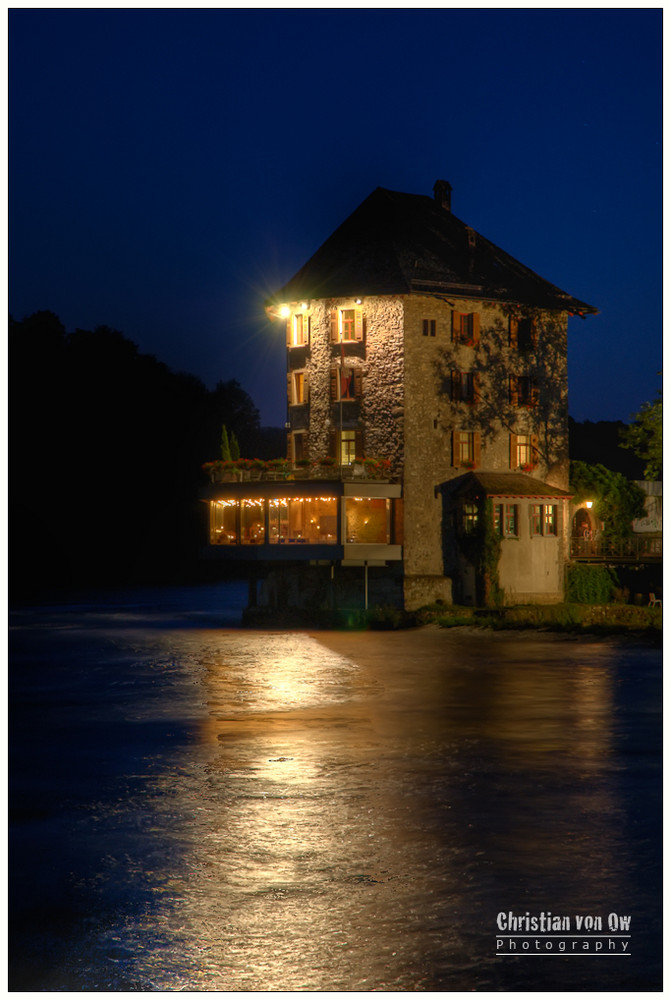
(591, 584)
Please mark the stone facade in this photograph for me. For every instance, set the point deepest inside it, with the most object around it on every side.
(419, 385)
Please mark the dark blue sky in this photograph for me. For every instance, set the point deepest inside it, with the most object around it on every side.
(170, 168)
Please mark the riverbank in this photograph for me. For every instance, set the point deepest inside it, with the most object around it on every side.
(580, 619)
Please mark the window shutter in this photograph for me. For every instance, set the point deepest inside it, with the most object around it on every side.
(476, 387)
(455, 450)
(358, 383)
(333, 445)
(334, 385)
(358, 444)
(334, 326)
(290, 448)
(534, 449)
(456, 386)
(290, 395)
(290, 326)
(476, 328)
(513, 451)
(512, 390)
(306, 329)
(456, 326)
(306, 387)
(476, 449)
(535, 396)
(512, 331)
(358, 324)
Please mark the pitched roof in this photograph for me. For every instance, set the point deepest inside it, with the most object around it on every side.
(396, 243)
(508, 484)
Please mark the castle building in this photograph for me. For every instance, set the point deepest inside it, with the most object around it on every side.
(427, 431)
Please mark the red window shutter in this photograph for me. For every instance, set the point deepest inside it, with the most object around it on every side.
(456, 326)
(334, 385)
(358, 444)
(476, 328)
(476, 449)
(335, 337)
(358, 383)
(512, 331)
(513, 451)
(358, 324)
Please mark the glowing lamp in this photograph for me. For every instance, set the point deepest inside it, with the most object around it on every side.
(284, 311)
(588, 504)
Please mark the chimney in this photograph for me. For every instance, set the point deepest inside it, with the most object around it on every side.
(442, 193)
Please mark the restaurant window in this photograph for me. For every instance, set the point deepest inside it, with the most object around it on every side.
(368, 519)
(223, 522)
(303, 520)
(252, 522)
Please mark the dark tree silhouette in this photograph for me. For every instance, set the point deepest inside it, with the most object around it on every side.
(106, 446)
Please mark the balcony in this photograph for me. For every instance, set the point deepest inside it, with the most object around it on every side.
(639, 548)
(279, 470)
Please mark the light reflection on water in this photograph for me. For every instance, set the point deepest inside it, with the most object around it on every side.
(350, 812)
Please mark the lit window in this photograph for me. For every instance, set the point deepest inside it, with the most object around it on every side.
(506, 519)
(252, 522)
(298, 330)
(224, 522)
(429, 327)
(347, 447)
(346, 325)
(469, 518)
(464, 448)
(303, 520)
(543, 519)
(523, 451)
(368, 520)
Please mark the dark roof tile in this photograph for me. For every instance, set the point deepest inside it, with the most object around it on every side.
(396, 243)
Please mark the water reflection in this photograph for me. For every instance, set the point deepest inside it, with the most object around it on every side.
(351, 811)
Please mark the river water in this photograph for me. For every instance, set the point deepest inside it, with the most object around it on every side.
(197, 807)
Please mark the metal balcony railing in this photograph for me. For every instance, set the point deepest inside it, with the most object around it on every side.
(637, 549)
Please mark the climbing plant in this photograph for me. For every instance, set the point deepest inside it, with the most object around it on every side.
(617, 500)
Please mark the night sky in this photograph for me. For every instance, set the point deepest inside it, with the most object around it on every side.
(171, 168)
